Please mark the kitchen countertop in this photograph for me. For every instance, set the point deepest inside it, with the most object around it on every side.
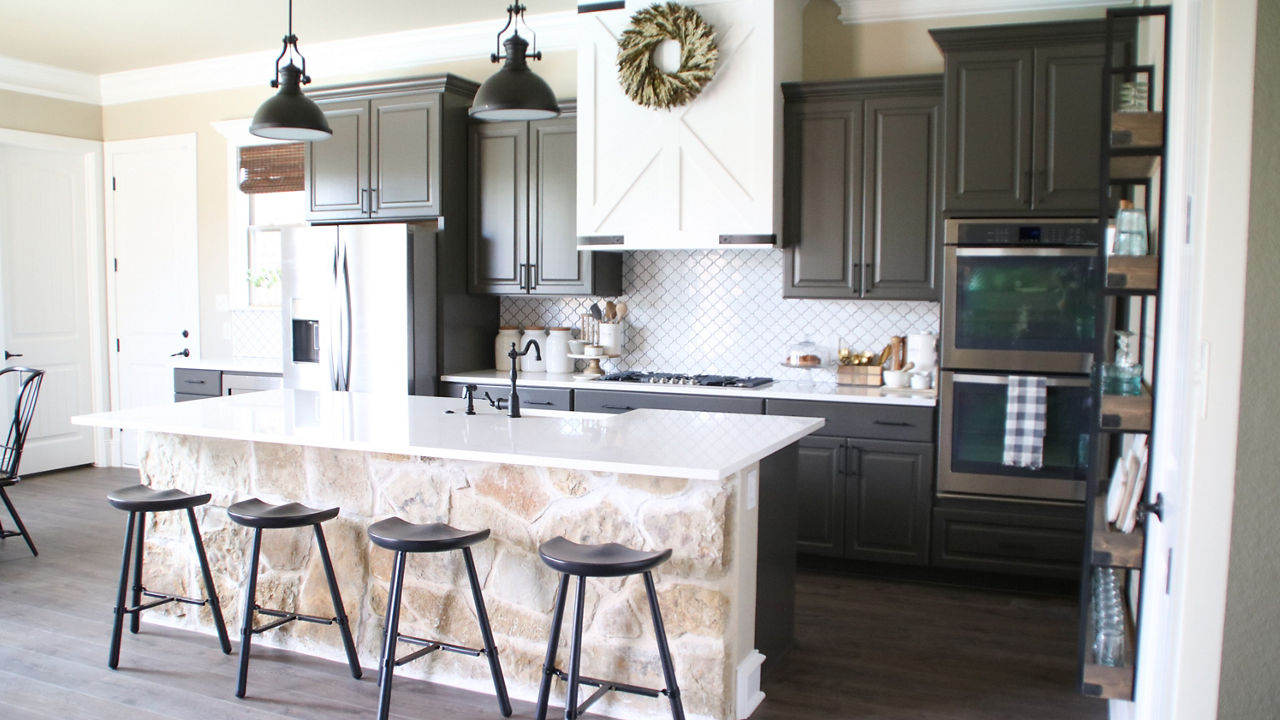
(778, 390)
(696, 445)
(256, 366)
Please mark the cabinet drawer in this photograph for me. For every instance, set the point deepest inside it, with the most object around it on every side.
(1007, 542)
(619, 401)
(185, 397)
(530, 398)
(863, 420)
(197, 382)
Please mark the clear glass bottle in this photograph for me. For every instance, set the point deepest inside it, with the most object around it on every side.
(1124, 375)
(1131, 230)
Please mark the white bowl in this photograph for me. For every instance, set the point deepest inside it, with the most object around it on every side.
(896, 378)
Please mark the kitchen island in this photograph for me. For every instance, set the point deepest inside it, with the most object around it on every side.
(649, 479)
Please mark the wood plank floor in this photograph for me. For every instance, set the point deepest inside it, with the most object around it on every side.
(865, 648)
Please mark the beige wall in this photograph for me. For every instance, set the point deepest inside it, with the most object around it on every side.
(835, 51)
(35, 113)
(1250, 653)
(196, 113)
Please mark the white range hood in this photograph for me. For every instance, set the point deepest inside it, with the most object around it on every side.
(707, 174)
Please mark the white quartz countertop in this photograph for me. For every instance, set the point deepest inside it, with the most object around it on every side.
(256, 366)
(693, 444)
(778, 389)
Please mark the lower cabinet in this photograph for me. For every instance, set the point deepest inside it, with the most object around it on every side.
(864, 499)
(537, 398)
(1014, 538)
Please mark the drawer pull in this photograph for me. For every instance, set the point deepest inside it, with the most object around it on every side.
(193, 382)
(891, 423)
(538, 402)
(617, 407)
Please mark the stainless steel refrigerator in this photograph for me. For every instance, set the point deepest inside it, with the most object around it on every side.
(379, 308)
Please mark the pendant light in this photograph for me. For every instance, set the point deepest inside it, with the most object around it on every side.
(290, 115)
(515, 92)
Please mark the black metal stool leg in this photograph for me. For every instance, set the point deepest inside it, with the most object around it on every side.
(117, 628)
(575, 651)
(135, 621)
(17, 520)
(388, 667)
(215, 607)
(664, 652)
(491, 650)
(340, 613)
(549, 666)
(246, 620)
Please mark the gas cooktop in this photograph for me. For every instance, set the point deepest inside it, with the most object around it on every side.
(658, 378)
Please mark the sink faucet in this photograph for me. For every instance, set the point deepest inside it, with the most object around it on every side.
(513, 403)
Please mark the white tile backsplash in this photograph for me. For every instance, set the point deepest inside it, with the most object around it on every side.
(722, 311)
(255, 333)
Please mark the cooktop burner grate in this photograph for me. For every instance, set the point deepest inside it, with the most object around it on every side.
(659, 378)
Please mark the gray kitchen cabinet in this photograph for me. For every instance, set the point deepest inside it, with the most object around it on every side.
(191, 384)
(864, 498)
(620, 401)
(1008, 537)
(1023, 118)
(861, 188)
(391, 147)
(522, 205)
(530, 398)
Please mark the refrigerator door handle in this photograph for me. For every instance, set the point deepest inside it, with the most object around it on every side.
(340, 347)
(346, 322)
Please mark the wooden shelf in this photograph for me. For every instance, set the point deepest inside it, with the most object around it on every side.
(1134, 168)
(1105, 681)
(1133, 273)
(1126, 413)
(1137, 132)
(1112, 548)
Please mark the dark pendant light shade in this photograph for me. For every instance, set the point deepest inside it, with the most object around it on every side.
(290, 115)
(515, 92)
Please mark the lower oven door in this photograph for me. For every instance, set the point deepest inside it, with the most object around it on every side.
(972, 431)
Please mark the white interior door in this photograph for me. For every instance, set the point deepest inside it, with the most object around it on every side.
(151, 227)
(45, 306)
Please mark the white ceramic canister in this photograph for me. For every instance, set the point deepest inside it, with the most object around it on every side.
(530, 362)
(556, 351)
(507, 334)
(612, 337)
(922, 349)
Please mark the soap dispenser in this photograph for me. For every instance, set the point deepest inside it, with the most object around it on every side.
(1124, 375)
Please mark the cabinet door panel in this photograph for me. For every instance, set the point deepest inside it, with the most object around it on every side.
(888, 498)
(1068, 136)
(406, 156)
(823, 200)
(901, 223)
(337, 169)
(559, 268)
(988, 131)
(820, 496)
(497, 207)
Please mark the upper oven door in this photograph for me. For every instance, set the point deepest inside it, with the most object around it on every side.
(1019, 308)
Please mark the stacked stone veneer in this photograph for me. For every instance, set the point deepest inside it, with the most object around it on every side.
(523, 506)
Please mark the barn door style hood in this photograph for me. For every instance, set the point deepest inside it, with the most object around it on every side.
(706, 174)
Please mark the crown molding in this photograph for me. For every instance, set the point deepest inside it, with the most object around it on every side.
(856, 12)
(48, 81)
(372, 54)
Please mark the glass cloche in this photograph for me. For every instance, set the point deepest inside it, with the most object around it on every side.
(804, 354)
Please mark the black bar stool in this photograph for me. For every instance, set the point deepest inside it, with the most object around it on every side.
(608, 560)
(259, 515)
(404, 538)
(138, 500)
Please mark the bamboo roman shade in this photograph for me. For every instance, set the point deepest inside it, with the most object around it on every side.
(271, 168)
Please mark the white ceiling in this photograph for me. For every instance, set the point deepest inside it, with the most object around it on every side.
(107, 36)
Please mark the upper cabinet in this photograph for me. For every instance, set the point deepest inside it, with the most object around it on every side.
(522, 195)
(390, 147)
(705, 174)
(1023, 114)
(861, 188)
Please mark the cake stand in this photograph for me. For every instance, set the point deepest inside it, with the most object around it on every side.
(592, 371)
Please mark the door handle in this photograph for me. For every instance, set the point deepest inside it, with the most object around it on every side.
(8, 355)
(185, 353)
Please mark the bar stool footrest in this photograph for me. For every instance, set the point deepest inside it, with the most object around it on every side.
(606, 686)
(9, 533)
(287, 617)
(430, 646)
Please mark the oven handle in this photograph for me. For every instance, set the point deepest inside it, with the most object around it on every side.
(1004, 380)
(1023, 251)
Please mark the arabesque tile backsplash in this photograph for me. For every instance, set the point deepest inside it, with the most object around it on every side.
(722, 311)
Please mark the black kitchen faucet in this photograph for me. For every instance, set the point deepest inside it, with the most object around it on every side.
(513, 402)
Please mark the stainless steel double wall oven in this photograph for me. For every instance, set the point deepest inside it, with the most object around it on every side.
(1019, 299)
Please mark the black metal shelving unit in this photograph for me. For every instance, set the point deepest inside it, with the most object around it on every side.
(1132, 168)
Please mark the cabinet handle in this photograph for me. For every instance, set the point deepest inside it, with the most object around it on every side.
(530, 275)
(193, 382)
(364, 200)
(373, 201)
(1026, 182)
(891, 423)
(538, 402)
(851, 462)
(521, 275)
(617, 407)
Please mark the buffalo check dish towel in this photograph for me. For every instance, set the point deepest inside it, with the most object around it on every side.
(1024, 422)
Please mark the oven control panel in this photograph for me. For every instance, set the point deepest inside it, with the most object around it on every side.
(1024, 233)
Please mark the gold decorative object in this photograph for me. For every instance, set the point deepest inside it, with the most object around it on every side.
(641, 78)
